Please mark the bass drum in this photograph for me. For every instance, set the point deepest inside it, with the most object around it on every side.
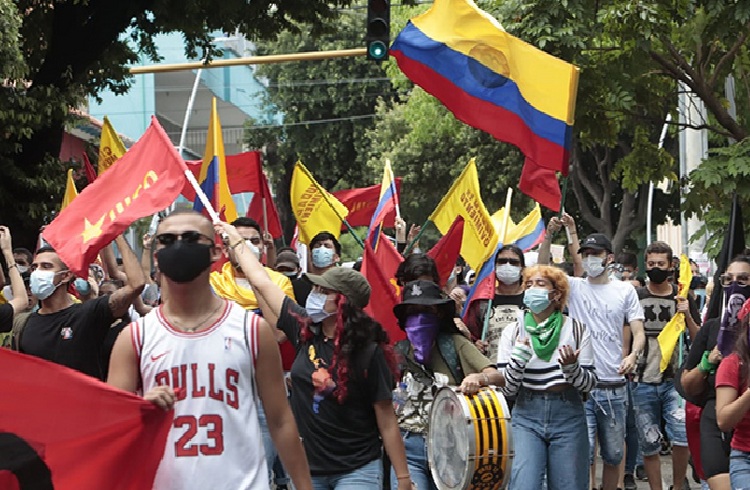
(469, 444)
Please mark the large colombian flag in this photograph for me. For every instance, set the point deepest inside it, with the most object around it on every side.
(213, 176)
(496, 83)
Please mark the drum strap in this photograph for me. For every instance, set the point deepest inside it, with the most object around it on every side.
(447, 348)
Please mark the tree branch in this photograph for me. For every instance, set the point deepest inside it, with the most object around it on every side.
(583, 200)
(729, 55)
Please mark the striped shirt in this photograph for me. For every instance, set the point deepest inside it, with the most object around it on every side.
(540, 375)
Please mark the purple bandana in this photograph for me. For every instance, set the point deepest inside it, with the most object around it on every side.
(421, 330)
(734, 297)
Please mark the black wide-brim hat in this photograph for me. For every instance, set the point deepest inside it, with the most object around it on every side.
(423, 293)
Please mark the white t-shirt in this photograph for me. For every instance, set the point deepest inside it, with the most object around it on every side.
(604, 309)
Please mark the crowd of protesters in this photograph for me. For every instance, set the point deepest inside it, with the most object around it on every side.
(573, 348)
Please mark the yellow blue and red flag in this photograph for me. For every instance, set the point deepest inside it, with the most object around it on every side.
(497, 83)
(213, 175)
(387, 203)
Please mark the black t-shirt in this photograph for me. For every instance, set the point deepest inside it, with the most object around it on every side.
(6, 317)
(338, 438)
(657, 312)
(72, 337)
(704, 341)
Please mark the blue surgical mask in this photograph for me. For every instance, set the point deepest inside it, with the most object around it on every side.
(42, 283)
(82, 286)
(315, 305)
(322, 257)
(536, 299)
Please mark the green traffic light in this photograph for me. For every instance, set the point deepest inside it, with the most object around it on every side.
(377, 50)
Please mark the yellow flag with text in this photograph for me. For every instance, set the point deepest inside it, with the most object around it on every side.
(70, 191)
(110, 147)
(670, 334)
(464, 199)
(316, 210)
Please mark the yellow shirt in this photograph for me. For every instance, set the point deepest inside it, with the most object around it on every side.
(225, 285)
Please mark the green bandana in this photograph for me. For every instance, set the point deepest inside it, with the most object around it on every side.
(545, 336)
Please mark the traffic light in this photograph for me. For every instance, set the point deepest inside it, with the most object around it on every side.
(378, 29)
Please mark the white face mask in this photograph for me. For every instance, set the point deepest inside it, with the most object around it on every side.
(255, 250)
(23, 268)
(508, 274)
(315, 305)
(42, 283)
(593, 265)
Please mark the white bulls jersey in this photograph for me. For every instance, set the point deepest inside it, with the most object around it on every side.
(215, 440)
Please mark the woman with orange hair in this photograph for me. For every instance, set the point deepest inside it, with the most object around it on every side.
(547, 363)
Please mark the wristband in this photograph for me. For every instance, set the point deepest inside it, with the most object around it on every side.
(486, 379)
(12, 266)
(236, 244)
(705, 365)
(405, 477)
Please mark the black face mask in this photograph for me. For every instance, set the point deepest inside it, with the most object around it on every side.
(183, 262)
(658, 276)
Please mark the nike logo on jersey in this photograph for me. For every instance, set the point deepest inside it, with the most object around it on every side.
(156, 358)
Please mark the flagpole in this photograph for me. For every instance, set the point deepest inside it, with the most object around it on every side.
(506, 218)
(564, 192)
(324, 193)
(202, 196)
(393, 185)
(503, 235)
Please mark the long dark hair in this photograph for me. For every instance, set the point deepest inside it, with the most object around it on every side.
(355, 330)
(742, 348)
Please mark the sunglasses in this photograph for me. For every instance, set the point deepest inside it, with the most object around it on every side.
(503, 261)
(741, 279)
(168, 239)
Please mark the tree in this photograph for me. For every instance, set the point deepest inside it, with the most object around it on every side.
(326, 107)
(76, 49)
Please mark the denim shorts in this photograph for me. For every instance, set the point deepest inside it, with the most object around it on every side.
(739, 469)
(606, 413)
(654, 402)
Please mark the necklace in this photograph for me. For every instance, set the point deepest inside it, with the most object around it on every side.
(199, 324)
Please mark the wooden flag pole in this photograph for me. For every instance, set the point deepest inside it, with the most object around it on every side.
(503, 234)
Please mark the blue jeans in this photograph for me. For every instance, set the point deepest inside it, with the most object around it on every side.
(739, 469)
(367, 477)
(606, 411)
(549, 435)
(652, 403)
(632, 449)
(416, 458)
(273, 463)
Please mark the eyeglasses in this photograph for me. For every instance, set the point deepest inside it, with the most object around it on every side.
(168, 239)
(741, 279)
(503, 261)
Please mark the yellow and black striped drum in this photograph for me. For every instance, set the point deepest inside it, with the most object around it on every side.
(469, 444)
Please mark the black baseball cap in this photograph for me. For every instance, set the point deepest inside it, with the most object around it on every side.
(596, 241)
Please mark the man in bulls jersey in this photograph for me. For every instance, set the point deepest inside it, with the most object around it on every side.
(211, 361)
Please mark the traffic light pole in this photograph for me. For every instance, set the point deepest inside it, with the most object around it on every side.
(250, 60)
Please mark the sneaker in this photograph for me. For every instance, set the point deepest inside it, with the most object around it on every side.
(640, 473)
(629, 481)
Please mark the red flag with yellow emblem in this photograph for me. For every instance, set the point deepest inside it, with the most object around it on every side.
(145, 180)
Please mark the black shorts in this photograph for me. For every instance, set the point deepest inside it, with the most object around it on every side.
(714, 443)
